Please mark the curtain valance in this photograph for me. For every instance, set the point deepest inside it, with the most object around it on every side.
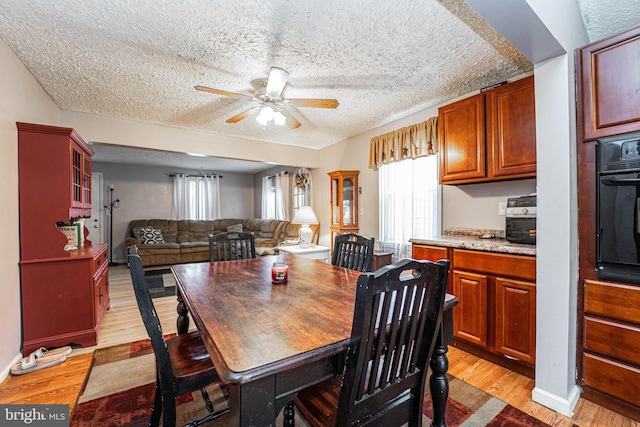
(410, 142)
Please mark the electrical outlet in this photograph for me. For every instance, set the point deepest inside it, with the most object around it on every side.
(361, 211)
(502, 208)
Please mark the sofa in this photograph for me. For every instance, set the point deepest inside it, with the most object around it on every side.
(168, 242)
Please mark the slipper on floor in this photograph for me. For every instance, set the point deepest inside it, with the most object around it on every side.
(33, 363)
(42, 352)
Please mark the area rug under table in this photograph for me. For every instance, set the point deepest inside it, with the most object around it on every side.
(120, 388)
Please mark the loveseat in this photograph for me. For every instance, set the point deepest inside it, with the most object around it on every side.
(167, 242)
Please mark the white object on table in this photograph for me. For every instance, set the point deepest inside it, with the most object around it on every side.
(321, 253)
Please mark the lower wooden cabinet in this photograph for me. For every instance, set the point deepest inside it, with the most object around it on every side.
(470, 321)
(497, 310)
(515, 319)
(64, 299)
(496, 314)
(611, 331)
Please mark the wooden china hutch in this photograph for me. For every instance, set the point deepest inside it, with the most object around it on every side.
(64, 292)
(344, 202)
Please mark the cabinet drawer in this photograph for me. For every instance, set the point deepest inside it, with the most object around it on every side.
(99, 261)
(617, 301)
(431, 253)
(613, 339)
(608, 376)
(494, 263)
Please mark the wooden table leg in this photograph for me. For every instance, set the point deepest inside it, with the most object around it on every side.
(182, 324)
(438, 383)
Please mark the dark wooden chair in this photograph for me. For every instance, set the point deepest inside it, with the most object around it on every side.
(182, 362)
(353, 251)
(231, 245)
(397, 316)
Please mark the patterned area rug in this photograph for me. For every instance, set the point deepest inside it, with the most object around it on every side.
(120, 387)
(161, 283)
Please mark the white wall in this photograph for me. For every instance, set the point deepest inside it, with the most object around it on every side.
(132, 133)
(146, 192)
(476, 205)
(21, 99)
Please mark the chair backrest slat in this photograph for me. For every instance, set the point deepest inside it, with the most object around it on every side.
(231, 246)
(353, 251)
(397, 316)
(150, 317)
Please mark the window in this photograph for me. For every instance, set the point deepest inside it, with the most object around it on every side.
(409, 203)
(276, 196)
(196, 197)
(301, 189)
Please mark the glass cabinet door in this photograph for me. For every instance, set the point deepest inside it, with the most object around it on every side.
(344, 202)
(348, 213)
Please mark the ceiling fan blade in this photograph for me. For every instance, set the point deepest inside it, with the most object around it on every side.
(276, 81)
(290, 121)
(244, 114)
(221, 92)
(314, 103)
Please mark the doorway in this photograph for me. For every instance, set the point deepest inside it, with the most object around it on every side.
(95, 223)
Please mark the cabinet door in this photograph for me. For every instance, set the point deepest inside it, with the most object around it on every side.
(511, 129)
(609, 90)
(470, 315)
(86, 182)
(462, 143)
(77, 174)
(515, 319)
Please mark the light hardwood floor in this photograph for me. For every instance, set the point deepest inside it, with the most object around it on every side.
(122, 324)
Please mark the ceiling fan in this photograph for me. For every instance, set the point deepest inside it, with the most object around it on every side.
(271, 101)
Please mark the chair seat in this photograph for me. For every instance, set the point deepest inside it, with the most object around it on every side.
(318, 404)
(191, 361)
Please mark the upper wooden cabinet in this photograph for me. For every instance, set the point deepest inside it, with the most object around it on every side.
(54, 165)
(490, 136)
(608, 94)
(462, 143)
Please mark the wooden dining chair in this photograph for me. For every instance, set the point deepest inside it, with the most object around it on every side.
(398, 311)
(231, 245)
(353, 251)
(182, 362)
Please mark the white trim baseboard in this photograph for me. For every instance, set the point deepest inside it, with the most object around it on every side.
(559, 404)
(5, 371)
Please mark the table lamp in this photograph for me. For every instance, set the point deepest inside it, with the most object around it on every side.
(305, 216)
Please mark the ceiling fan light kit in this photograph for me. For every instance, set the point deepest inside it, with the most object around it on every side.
(272, 101)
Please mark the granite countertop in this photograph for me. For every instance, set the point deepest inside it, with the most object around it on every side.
(470, 239)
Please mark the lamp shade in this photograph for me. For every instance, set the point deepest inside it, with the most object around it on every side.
(305, 215)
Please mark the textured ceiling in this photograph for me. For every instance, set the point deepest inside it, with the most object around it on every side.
(140, 59)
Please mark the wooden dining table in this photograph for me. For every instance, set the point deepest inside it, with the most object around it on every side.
(268, 341)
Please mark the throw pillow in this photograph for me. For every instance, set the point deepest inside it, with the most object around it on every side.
(151, 236)
(139, 231)
(235, 228)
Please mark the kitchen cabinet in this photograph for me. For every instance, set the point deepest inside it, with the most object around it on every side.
(608, 90)
(611, 357)
(497, 309)
(608, 335)
(470, 321)
(64, 293)
(490, 136)
(344, 202)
